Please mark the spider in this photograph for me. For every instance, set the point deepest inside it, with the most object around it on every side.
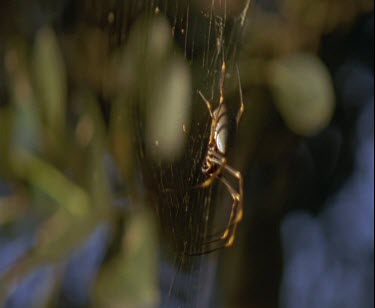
(223, 125)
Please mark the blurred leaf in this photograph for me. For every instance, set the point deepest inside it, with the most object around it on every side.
(51, 181)
(50, 78)
(138, 67)
(56, 238)
(168, 114)
(324, 15)
(303, 93)
(61, 233)
(90, 135)
(27, 129)
(130, 280)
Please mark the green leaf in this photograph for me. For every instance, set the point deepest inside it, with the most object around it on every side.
(50, 78)
(303, 92)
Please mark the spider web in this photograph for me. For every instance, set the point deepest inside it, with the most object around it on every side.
(208, 33)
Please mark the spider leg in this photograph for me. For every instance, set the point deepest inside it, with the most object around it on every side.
(242, 107)
(228, 235)
(238, 176)
(222, 80)
(223, 235)
(239, 198)
(208, 104)
(204, 252)
(220, 160)
(236, 201)
(221, 101)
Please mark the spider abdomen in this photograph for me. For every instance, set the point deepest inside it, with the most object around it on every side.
(224, 130)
